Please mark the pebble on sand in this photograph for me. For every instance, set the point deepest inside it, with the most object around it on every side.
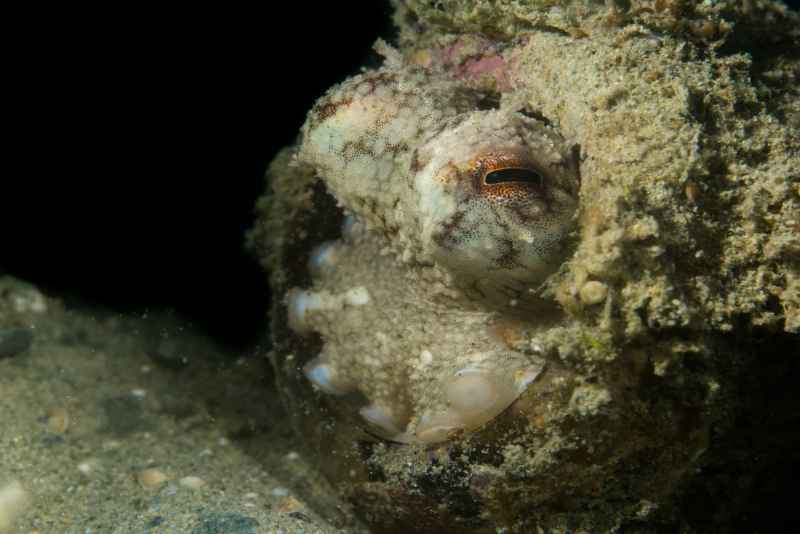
(192, 482)
(13, 500)
(288, 505)
(88, 467)
(280, 491)
(151, 478)
(57, 420)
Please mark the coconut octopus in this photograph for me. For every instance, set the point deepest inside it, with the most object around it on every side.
(459, 207)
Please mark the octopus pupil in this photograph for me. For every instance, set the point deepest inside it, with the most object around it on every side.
(513, 175)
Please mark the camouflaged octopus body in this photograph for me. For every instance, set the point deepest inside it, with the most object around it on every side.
(458, 214)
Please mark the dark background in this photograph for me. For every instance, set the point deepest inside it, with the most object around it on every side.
(139, 142)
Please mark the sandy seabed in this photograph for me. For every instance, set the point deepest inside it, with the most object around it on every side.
(115, 424)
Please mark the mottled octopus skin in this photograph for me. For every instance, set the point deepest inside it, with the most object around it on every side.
(408, 152)
(460, 213)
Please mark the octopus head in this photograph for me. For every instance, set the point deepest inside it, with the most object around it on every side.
(497, 196)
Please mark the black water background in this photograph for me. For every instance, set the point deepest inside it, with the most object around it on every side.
(139, 144)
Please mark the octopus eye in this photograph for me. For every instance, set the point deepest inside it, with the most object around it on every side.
(514, 175)
(497, 203)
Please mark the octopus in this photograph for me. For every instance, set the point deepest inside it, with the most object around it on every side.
(459, 207)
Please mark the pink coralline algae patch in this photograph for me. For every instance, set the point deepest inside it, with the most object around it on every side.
(475, 70)
(473, 60)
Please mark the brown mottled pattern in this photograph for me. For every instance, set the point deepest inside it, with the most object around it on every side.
(445, 236)
(354, 149)
(327, 109)
(376, 79)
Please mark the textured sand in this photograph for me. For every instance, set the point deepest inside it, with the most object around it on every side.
(97, 399)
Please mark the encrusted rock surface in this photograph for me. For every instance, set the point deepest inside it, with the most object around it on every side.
(662, 336)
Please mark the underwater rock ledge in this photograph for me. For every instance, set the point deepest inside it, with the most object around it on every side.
(540, 269)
